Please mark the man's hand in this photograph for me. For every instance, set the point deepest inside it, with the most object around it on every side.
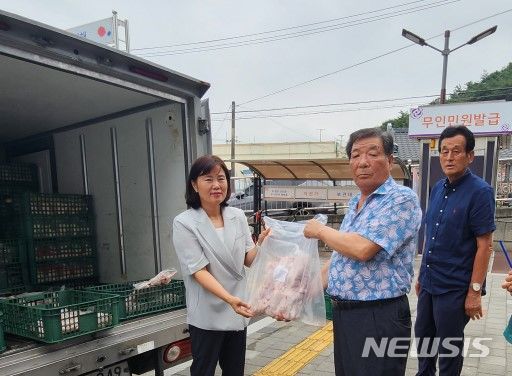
(507, 283)
(473, 305)
(417, 287)
(313, 229)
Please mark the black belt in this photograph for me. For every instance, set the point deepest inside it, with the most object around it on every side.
(352, 304)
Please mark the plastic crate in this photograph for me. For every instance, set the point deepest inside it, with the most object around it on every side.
(11, 250)
(328, 307)
(3, 345)
(11, 278)
(48, 250)
(18, 174)
(59, 227)
(11, 226)
(62, 271)
(57, 316)
(145, 301)
(69, 205)
(11, 201)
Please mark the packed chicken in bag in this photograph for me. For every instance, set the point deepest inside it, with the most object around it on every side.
(284, 280)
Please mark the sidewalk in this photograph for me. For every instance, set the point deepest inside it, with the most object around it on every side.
(272, 341)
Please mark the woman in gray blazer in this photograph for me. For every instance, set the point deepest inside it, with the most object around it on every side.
(213, 243)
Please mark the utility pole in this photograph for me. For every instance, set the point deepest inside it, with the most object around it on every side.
(320, 130)
(233, 140)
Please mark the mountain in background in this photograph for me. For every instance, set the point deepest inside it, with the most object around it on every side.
(492, 87)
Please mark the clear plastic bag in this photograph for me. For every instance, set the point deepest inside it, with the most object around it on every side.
(162, 278)
(284, 279)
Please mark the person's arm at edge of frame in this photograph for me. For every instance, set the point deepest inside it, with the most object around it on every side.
(507, 283)
(349, 244)
(210, 283)
(473, 303)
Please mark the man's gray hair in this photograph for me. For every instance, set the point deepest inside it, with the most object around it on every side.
(387, 139)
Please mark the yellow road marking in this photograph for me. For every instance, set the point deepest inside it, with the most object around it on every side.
(298, 356)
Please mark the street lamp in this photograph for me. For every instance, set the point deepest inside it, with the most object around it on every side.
(446, 51)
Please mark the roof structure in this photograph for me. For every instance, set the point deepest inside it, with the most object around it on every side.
(408, 148)
(304, 169)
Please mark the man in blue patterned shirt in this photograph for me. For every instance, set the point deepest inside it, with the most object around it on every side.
(371, 268)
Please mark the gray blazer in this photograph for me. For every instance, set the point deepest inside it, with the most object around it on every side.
(197, 246)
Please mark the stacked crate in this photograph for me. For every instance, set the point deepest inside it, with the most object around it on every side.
(16, 180)
(61, 246)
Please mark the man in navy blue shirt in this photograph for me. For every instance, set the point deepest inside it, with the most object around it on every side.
(458, 242)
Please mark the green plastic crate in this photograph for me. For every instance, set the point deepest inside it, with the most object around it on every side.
(11, 250)
(3, 345)
(67, 205)
(60, 315)
(328, 307)
(19, 174)
(11, 278)
(58, 249)
(134, 303)
(42, 227)
(63, 271)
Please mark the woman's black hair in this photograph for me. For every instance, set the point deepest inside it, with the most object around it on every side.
(202, 166)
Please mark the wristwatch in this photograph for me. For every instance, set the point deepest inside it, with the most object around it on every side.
(475, 286)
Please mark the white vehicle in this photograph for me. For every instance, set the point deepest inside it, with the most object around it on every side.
(102, 122)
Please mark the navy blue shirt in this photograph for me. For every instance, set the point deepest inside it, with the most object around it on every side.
(456, 215)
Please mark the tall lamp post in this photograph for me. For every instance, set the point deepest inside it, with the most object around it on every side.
(446, 51)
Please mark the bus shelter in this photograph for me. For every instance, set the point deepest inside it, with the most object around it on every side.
(337, 171)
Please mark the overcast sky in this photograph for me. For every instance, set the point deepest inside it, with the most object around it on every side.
(361, 30)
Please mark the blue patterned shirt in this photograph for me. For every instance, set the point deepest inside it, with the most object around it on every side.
(391, 218)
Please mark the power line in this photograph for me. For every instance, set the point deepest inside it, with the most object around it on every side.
(322, 112)
(275, 30)
(299, 33)
(365, 61)
(330, 104)
(269, 116)
(361, 102)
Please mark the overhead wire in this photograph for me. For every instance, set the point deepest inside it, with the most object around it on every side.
(271, 115)
(300, 33)
(365, 61)
(361, 102)
(277, 30)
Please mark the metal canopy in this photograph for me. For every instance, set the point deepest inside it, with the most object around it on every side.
(306, 169)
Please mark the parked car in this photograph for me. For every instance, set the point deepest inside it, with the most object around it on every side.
(244, 199)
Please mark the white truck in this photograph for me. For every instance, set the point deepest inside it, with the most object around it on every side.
(102, 122)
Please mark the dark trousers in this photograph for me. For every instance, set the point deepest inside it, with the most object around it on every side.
(440, 316)
(212, 346)
(357, 327)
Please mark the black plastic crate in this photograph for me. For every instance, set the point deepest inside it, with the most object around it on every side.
(145, 301)
(56, 249)
(56, 316)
